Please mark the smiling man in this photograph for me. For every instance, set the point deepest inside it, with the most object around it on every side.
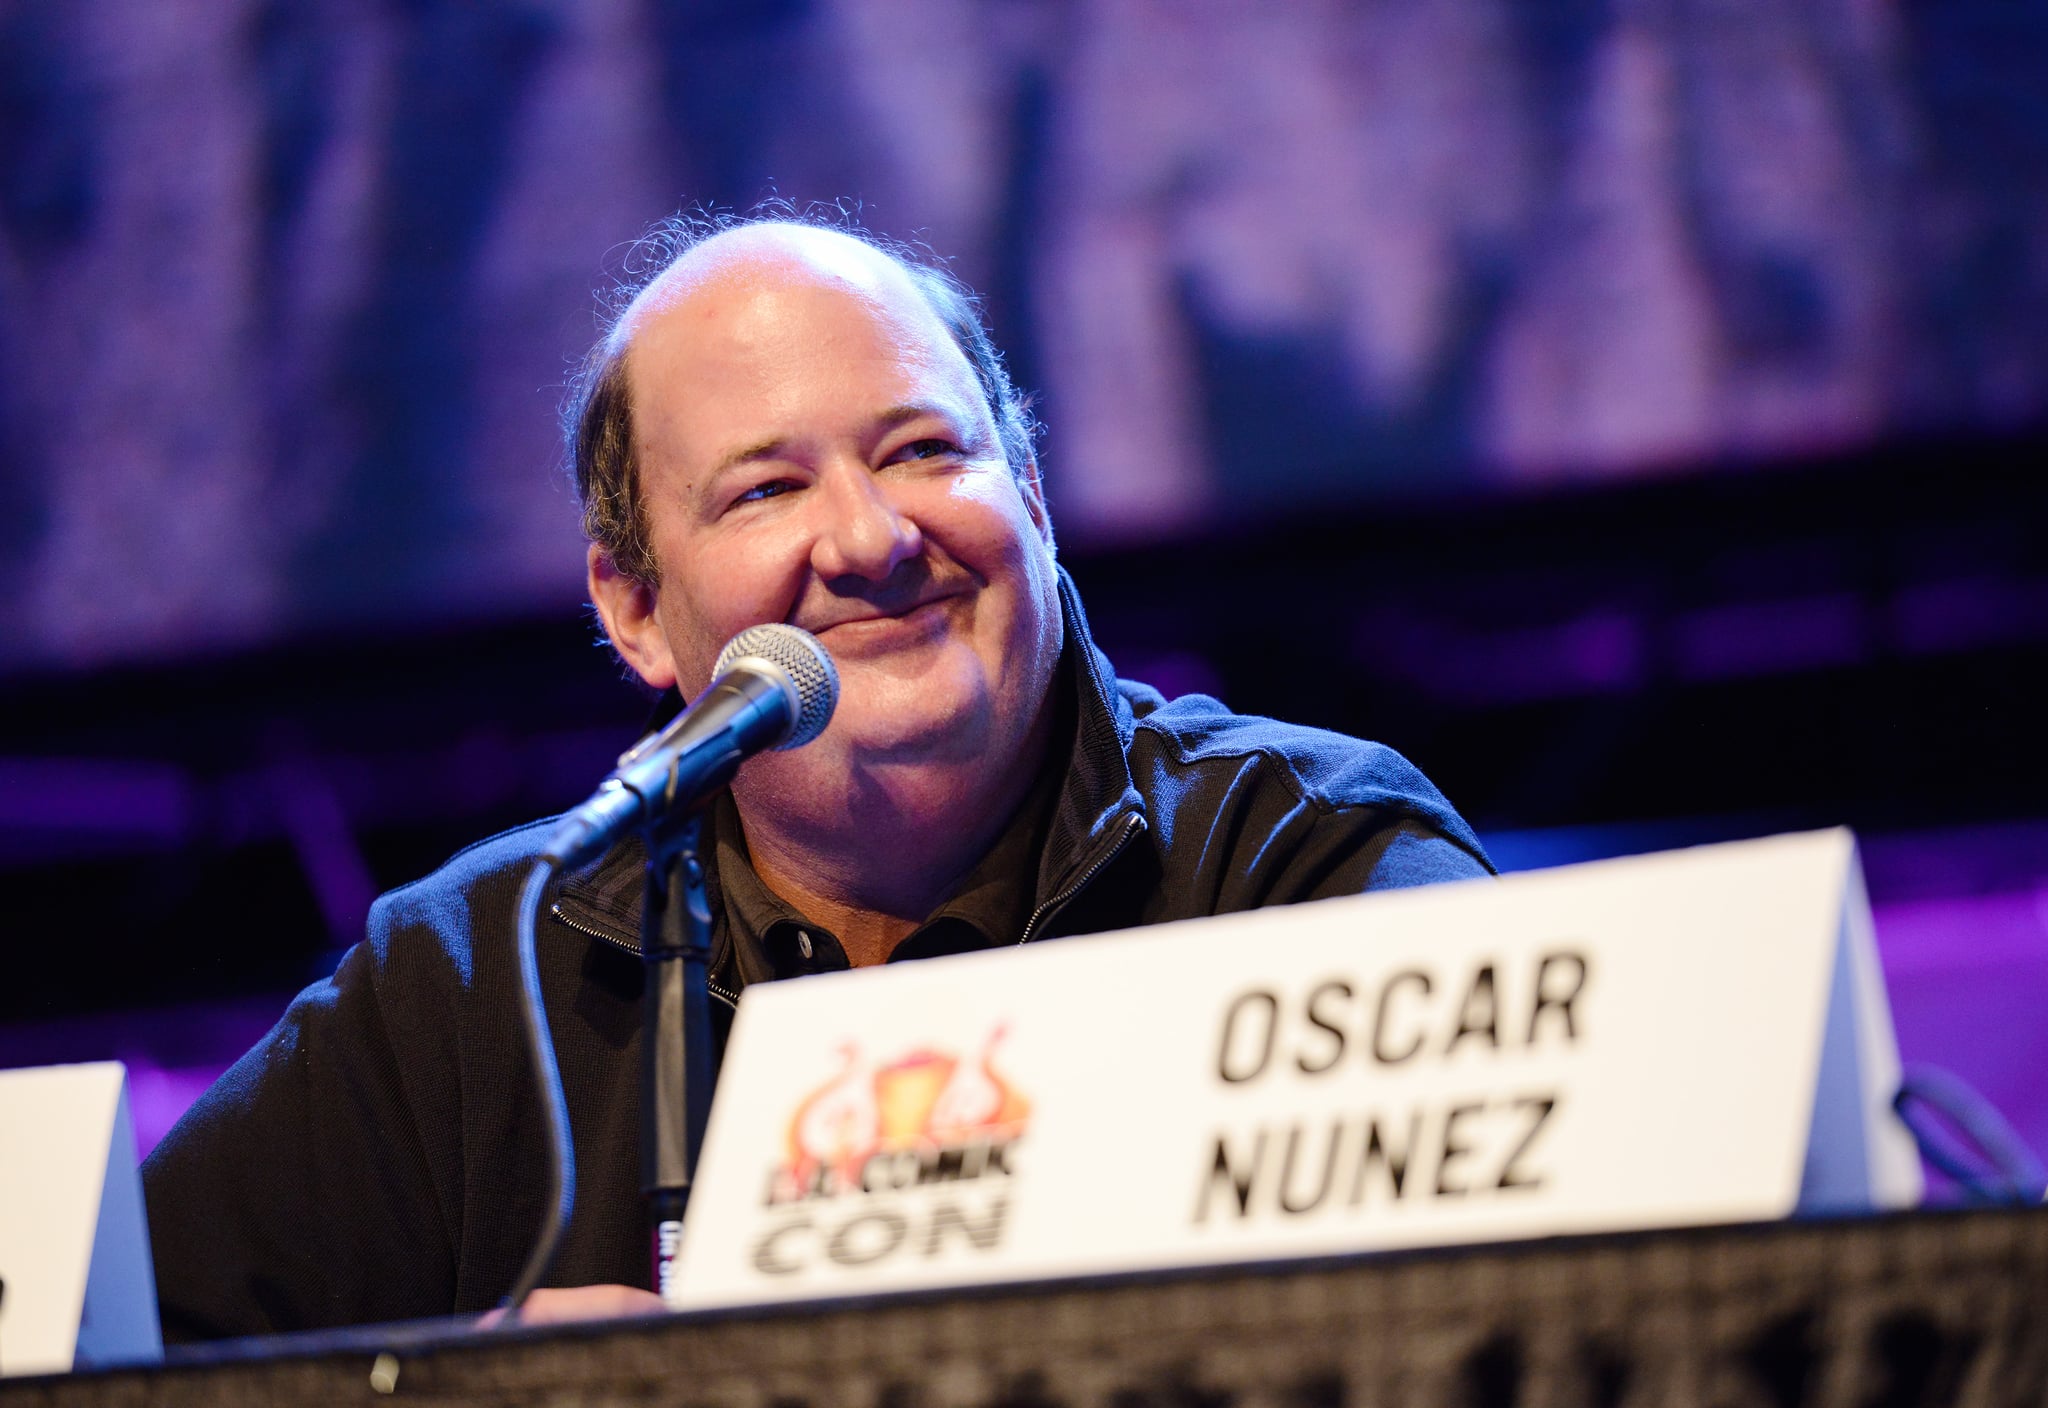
(788, 423)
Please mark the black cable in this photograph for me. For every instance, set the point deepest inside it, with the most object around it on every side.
(547, 1077)
(1989, 1161)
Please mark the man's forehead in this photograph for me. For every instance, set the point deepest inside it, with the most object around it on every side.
(766, 256)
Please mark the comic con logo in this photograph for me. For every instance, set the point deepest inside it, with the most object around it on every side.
(908, 1157)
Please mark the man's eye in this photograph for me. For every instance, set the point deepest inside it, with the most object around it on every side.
(932, 449)
(763, 491)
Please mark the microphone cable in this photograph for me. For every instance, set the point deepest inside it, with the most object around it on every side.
(547, 1081)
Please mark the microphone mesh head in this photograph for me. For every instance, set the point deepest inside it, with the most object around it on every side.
(796, 653)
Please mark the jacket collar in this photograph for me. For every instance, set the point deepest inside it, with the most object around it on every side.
(1098, 812)
(1100, 808)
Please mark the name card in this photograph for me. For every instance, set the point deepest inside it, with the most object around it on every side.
(76, 1284)
(1688, 1038)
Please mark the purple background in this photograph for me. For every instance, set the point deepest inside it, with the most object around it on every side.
(287, 289)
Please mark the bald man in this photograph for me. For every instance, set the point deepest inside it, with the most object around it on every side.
(788, 423)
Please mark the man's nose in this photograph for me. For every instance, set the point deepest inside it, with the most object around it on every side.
(863, 533)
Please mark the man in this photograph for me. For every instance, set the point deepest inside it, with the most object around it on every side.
(790, 423)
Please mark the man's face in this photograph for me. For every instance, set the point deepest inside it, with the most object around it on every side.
(815, 449)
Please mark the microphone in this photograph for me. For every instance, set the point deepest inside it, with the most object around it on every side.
(773, 687)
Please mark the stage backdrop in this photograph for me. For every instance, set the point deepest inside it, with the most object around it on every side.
(288, 288)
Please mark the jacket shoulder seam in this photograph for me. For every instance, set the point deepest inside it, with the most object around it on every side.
(1278, 760)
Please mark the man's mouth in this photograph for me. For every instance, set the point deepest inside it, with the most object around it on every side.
(913, 618)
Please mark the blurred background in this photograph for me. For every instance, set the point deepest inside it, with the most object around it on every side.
(1633, 410)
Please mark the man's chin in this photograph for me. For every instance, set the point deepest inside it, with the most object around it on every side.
(915, 733)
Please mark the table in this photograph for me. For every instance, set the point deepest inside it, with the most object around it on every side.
(1919, 1309)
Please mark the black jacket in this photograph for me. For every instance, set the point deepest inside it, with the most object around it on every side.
(378, 1156)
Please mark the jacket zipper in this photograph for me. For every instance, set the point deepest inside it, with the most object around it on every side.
(730, 999)
(1133, 823)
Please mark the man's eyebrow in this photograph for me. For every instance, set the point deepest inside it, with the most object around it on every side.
(957, 417)
(760, 450)
(888, 420)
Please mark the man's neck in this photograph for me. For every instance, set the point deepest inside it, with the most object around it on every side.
(893, 856)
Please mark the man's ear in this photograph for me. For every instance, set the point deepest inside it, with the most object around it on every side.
(1033, 490)
(626, 606)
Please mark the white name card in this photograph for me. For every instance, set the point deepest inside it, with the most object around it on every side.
(1695, 1037)
(76, 1285)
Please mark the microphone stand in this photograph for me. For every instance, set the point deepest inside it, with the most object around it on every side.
(675, 1085)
